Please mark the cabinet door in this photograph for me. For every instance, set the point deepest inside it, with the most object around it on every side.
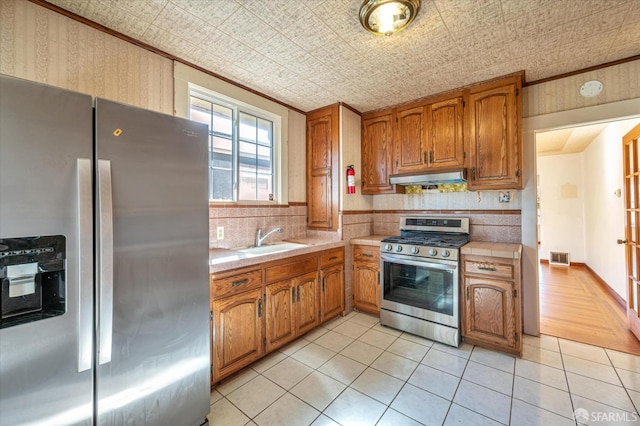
(490, 313)
(410, 151)
(280, 316)
(495, 137)
(307, 304)
(237, 332)
(445, 143)
(377, 138)
(366, 287)
(332, 291)
(322, 164)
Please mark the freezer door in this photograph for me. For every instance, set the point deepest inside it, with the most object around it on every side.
(46, 136)
(152, 253)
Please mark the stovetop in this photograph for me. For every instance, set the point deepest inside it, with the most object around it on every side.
(452, 241)
(437, 238)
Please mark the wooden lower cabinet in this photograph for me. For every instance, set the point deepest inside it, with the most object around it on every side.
(332, 291)
(492, 307)
(307, 302)
(291, 309)
(237, 332)
(366, 278)
(258, 309)
(280, 325)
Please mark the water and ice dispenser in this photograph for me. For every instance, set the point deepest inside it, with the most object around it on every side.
(32, 273)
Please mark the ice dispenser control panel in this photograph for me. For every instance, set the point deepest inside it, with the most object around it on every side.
(32, 274)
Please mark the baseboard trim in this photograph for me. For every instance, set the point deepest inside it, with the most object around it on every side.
(608, 289)
(546, 261)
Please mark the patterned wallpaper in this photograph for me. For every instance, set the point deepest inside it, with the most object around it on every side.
(41, 45)
(621, 82)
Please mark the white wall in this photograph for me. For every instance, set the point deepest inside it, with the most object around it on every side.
(562, 200)
(604, 210)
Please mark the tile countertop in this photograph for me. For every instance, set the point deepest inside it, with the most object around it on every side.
(369, 240)
(226, 259)
(479, 248)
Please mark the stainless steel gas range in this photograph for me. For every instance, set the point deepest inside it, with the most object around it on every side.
(419, 277)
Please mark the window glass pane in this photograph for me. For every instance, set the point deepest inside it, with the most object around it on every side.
(221, 184)
(247, 127)
(265, 132)
(630, 157)
(240, 151)
(264, 187)
(247, 156)
(221, 153)
(264, 159)
(247, 190)
(634, 263)
(222, 120)
(200, 111)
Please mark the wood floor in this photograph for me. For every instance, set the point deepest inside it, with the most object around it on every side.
(574, 306)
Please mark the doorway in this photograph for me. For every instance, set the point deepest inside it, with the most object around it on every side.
(531, 126)
(579, 211)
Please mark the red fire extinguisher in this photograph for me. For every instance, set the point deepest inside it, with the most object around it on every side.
(351, 180)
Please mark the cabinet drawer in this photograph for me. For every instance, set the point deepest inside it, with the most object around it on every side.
(332, 257)
(366, 254)
(489, 268)
(290, 270)
(237, 283)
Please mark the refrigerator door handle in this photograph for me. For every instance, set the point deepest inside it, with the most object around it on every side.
(105, 259)
(85, 265)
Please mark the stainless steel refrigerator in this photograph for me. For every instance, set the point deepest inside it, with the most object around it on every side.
(103, 262)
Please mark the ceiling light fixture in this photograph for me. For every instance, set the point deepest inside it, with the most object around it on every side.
(385, 17)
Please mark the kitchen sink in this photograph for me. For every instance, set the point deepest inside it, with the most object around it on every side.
(271, 248)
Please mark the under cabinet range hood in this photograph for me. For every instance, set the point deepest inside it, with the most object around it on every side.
(430, 178)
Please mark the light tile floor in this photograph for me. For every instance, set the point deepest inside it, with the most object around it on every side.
(353, 371)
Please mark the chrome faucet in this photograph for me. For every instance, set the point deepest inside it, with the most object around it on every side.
(260, 238)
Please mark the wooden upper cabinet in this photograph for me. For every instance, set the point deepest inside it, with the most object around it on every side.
(445, 133)
(494, 131)
(323, 128)
(377, 146)
(409, 147)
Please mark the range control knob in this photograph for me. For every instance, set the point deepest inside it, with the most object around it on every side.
(445, 253)
(388, 247)
(398, 248)
(415, 250)
(433, 252)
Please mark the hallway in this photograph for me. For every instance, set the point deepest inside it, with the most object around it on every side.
(574, 306)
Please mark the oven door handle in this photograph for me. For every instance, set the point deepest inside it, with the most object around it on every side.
(424, 263)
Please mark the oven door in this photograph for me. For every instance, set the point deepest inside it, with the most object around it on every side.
(425, 288)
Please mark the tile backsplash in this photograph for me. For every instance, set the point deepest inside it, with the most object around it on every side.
(491, 226)
(241, 224)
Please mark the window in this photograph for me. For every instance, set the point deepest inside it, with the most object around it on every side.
(241, 149)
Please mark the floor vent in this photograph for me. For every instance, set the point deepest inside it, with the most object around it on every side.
(559, 258)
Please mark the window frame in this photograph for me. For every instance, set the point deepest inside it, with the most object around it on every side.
(241, 107)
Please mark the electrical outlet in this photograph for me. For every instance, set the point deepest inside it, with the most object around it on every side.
(504, 197)
(220, 232)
